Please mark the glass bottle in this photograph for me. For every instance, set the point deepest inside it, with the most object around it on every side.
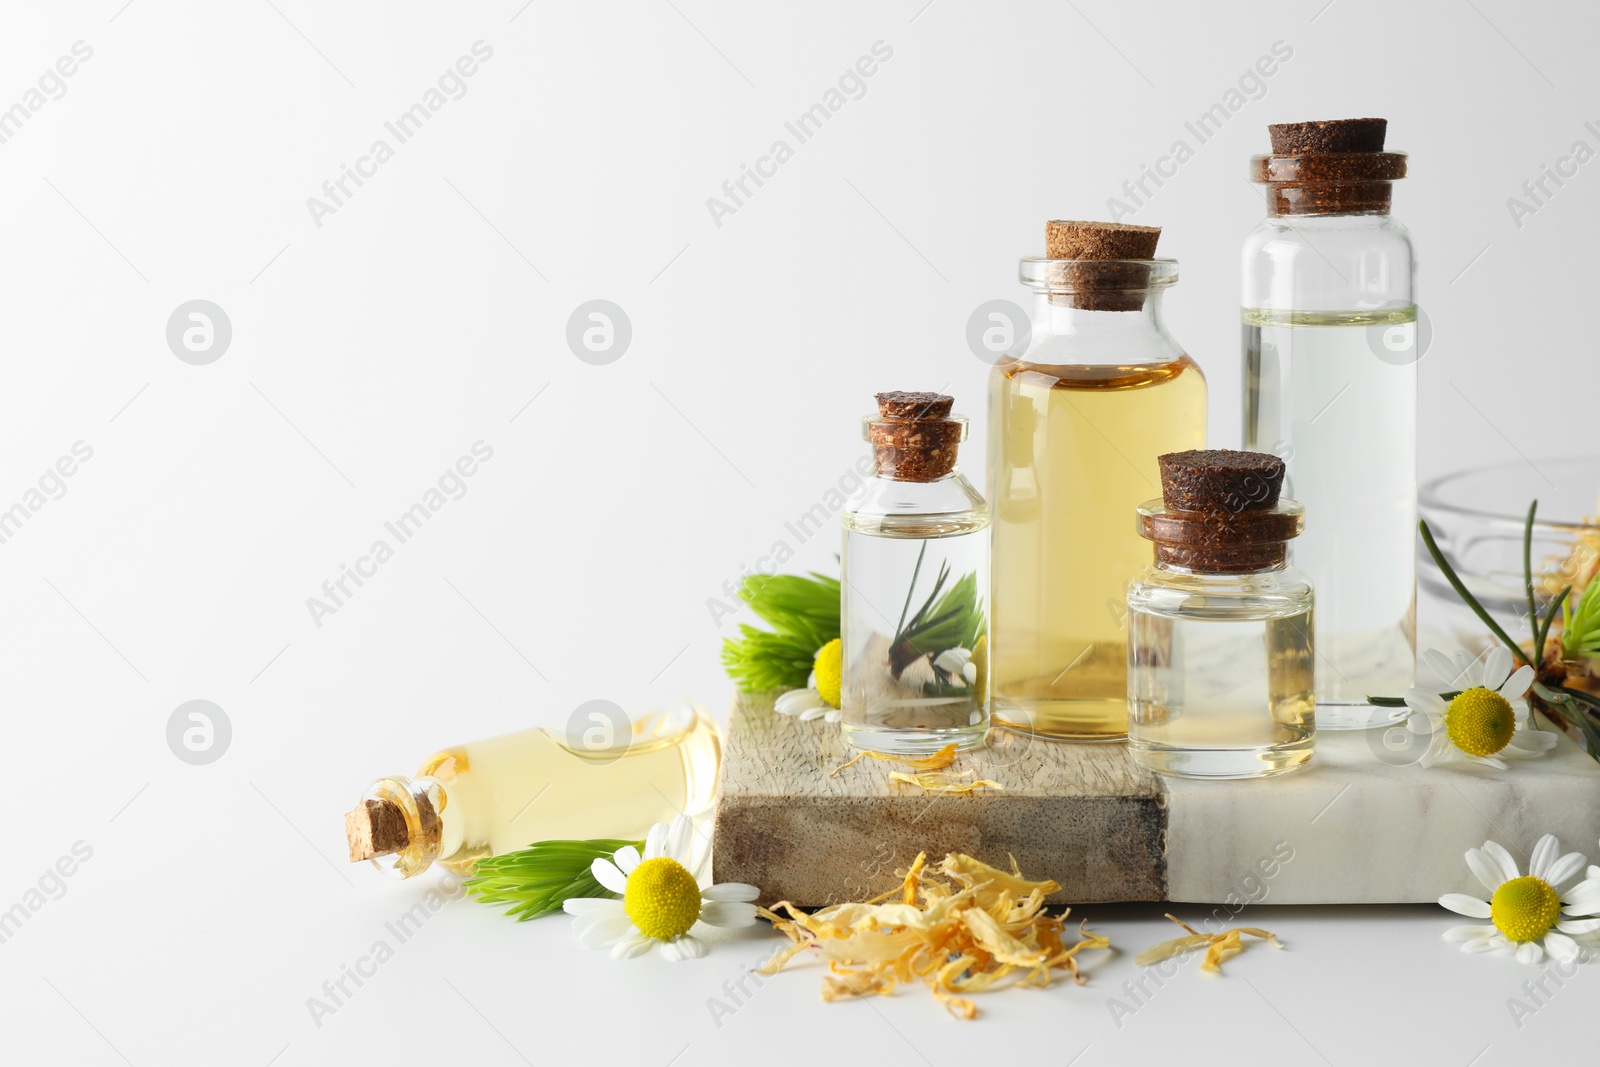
(610, 777)
(915, 589)
(1221, 660)
(1075, 426)
(1330, 380)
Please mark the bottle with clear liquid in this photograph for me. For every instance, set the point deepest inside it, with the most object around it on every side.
(609, 776)
(1221, 654)
(914, 619)
(1075, 426)
(1330, 379)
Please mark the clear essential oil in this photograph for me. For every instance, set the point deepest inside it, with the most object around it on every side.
(1330, 346)
(1221, 655)
(915, 589)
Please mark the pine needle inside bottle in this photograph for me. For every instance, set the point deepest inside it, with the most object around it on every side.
(538, 879)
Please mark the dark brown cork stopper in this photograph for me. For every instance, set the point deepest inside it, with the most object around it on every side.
(1334, 135)
(1102, 279)
(914, 439)
(1221, 512)
(1335, 167)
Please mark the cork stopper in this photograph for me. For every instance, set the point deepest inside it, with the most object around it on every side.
(1102, 278)
(375, 828)
(1330, 167)
(1332, 135)
(915, 438)
(1220, 479)
(1220, 512)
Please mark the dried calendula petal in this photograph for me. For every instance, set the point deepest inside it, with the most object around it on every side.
(936, 762)
(963, 927)
(1219, 947)
(954, 784)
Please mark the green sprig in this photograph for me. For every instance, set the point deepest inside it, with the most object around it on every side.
(538, 879)
(803, 612)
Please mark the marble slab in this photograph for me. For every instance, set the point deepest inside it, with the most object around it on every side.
(1359, 825)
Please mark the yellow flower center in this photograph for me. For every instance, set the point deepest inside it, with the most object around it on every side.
(1524, 909)
(1480, 722)
(663, 899)
(829, 668)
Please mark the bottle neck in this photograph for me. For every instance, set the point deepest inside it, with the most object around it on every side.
(1066, 333)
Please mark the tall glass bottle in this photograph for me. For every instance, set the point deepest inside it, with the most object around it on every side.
(1075, 426)
(1330, 385)
(610, 776)
(915, 588)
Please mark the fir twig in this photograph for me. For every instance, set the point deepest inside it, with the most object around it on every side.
(538, 879)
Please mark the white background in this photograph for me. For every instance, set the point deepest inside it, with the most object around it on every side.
(430, 309)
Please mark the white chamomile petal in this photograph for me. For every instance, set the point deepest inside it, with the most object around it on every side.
(1526, 744)
(1424, 701)
(1578, 926)
(1486, 870)
(631, 945)
(1469, 933)
(1484, 944)
(730, 891)
(687, 947)
(680, 839)
(817, 711)
(728, 913)
(589, 905)
(1442, 666)
(1462, 904)
(1488, 761)
(833, 715)
(1496, 668)
(1498, 853)
(1565, 868)
(1529, 952)
(797, 701)
(1561, 947)
(626, 858)
(655, 841)
(1545, 852)
(602, 931)
(607, 874)
(1517, 685)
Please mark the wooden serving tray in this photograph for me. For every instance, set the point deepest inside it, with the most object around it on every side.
(1356, 826)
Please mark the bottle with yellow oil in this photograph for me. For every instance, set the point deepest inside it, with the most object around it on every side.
(608, 775)
(1075, 426)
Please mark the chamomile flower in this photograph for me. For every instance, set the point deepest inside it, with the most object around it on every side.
(821, 697)
(662, 898)
(1525, 910)
(1487, 721)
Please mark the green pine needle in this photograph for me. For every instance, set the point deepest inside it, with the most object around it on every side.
(803, 612)
(538, 879)
(1580, 623)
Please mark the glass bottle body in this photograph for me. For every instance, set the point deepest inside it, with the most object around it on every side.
(1075, 427)
(504, 793)
(1221, 672)
(1330, 347)
(914, 621)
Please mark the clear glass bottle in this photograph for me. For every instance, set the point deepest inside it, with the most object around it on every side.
(915, 589)
(612, 777)
(1221, 659)
(1330, 381)
(1075, 426)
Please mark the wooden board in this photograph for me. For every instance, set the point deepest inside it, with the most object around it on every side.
(1356, 826)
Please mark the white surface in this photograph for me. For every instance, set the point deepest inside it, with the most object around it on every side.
(177, 566)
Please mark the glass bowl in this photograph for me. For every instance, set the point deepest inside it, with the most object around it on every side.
(1477, 516)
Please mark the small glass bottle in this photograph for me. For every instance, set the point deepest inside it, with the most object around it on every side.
(1221, 662)
(1330, 384)
(915, 589)
(611, 777)
(1075, 426)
